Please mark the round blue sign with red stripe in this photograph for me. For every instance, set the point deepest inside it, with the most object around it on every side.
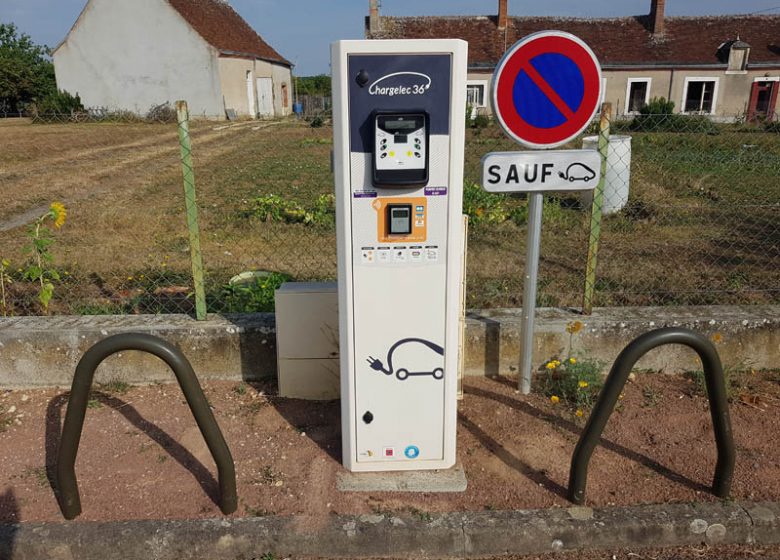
(547, 89)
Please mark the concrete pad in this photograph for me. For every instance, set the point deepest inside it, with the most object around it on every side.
(449, 480)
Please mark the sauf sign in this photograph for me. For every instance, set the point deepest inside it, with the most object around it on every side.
(570, 170)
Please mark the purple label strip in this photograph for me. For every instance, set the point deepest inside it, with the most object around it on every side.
(436, 191)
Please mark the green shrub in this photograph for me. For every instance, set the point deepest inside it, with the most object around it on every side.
(274, 208)
(482, 121)
(772, 126)
(483, 207)
(658, 106)
(56, 105)
(252, 297)
(659, 116)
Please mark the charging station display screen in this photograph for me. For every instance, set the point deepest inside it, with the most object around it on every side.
(399, 219)
(402, 124)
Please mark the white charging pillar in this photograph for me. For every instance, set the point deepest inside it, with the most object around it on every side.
(399, 110)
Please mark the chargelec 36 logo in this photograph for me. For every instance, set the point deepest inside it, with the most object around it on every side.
(388, 85)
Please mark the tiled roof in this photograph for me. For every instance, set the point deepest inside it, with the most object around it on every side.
(222, 27)
(616, 42)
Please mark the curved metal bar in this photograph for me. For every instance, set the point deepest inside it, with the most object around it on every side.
(70, 503)
(613, 386)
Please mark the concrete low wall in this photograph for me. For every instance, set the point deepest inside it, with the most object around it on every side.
(44, 351)
(747, 336)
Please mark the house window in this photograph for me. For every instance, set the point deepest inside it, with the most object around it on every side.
(637, 94)
(475, 93)
(700, 95)
(285, 99)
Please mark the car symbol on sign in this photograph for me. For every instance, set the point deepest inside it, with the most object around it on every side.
(578, 172)
(403, 373)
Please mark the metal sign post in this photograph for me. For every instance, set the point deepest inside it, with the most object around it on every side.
(533, 244)
(546, 90)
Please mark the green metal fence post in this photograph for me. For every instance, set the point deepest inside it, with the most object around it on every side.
(595, 213)
(192, 209)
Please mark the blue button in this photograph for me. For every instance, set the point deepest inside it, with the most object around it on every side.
(412, 452)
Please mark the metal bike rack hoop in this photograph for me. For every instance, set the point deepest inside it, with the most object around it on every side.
(70, 502)
(613, 386)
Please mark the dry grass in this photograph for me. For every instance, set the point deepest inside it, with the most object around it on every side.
(685, 237)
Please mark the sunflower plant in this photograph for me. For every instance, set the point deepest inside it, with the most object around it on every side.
(40, 270)
(5, 280)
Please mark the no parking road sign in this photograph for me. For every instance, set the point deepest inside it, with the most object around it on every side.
(546, 89)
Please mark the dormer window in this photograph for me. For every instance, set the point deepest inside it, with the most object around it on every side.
(738, 53)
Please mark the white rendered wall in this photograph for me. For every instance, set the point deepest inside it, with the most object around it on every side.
(132, 55)
(282, 75)
(233, 77)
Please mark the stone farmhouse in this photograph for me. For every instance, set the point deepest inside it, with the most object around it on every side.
(727, 67)
(132, 55)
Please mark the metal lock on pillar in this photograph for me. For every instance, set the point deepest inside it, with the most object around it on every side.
(398, 111)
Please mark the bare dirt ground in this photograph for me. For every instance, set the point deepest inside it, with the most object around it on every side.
(142, 456)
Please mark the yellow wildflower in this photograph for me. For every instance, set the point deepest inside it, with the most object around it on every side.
(555, 399)
(550, 365)
(59, 213)
(572, 360)
(130, 278)
(579, 413)
(583, 384)
(574, 327)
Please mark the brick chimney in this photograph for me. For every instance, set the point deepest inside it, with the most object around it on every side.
(373, 17)
(657, 9)
(503, 14)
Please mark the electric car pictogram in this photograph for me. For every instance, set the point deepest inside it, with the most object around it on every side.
(577, 172)
(404, 373)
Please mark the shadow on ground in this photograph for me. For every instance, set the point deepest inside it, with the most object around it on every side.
(564, 424)
(179, 453)
(9, 523)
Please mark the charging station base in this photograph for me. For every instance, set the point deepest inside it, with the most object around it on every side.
(445, 480)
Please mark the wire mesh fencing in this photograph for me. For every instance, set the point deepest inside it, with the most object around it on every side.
(690, 216)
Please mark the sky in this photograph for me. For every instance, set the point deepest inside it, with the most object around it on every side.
(301, 30)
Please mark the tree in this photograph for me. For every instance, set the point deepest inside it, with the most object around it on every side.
(313, 85)
(26, 72)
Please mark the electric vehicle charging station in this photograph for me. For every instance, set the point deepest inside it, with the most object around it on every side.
(399, 130)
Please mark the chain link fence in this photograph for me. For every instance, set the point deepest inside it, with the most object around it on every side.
(691, 213)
